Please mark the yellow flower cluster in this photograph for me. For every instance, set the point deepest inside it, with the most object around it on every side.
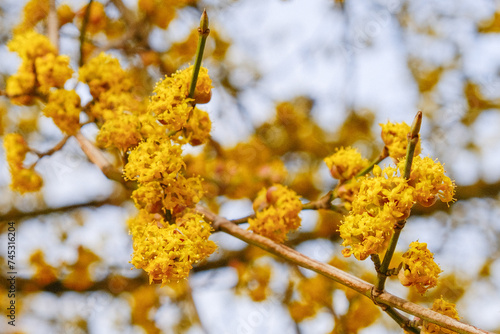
(154, 159)
(196, 130)
(227, 171)
(41, 68)
(170, 103)
(345, 163)
(387, 197)
(276, 213)
(395, 139)
(23, 179)
(315, 293)
(419, 269)
(52, 71)
(34, 11)
(168, 236)
(429, 181)
(109, 85)
(64, 108)
(121, 131)
(253, 279)
(443, 307)
(168, 251)
(381, 201)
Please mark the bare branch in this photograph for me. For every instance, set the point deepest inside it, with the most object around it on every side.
(346, 279)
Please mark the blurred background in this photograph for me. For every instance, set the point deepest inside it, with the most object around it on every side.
(292, 81)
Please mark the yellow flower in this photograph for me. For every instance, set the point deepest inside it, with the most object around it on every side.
(21, 86)
(364, 234)
(122, 131)
(15, 148)
(149, 196)
(44, 273)
(181, 193)
(443, 307)
(34, 11)
(345, 163)
(419, 269)
(256, 279)
(167, 252)
(429, 180)
(174, 194)
(170, 102)
(104, 74)
(25, 180)
(395, 139)
(64, 14)
(315, 293)
(197, 129)
(31, 45)
(64, 109)
(385, 191)
(276, 213)
(154, 159)
(52, 71)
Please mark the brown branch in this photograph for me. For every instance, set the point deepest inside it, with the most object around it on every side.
(96, 157)
(52, 24)
(15, 214)
(54, 149)
(83, 31)
(348, 280)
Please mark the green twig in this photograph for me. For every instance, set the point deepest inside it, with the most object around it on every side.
(384, 154)
(401, 320)
(203, 31)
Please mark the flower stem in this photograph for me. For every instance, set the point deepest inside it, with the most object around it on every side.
(203, 31)
(384, 154)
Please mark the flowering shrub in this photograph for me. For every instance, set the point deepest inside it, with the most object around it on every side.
(145, 139)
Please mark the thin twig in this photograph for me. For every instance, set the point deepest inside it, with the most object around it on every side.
(348, 280)
(54, 149)
(83, 31)
(97, 158)
(203, 31)
(53, 24)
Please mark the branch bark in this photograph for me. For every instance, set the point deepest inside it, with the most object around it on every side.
(346, 279)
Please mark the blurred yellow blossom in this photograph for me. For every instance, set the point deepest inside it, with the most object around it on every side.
(64, 109)
(30, 45)
(25, 180)
(52, 71)
(44, 273)
(15, 148)
(276, 212)
(34, 11)
(22, 179)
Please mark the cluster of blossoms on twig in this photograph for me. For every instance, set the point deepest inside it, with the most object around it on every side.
(380, 201)
(168, 236)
